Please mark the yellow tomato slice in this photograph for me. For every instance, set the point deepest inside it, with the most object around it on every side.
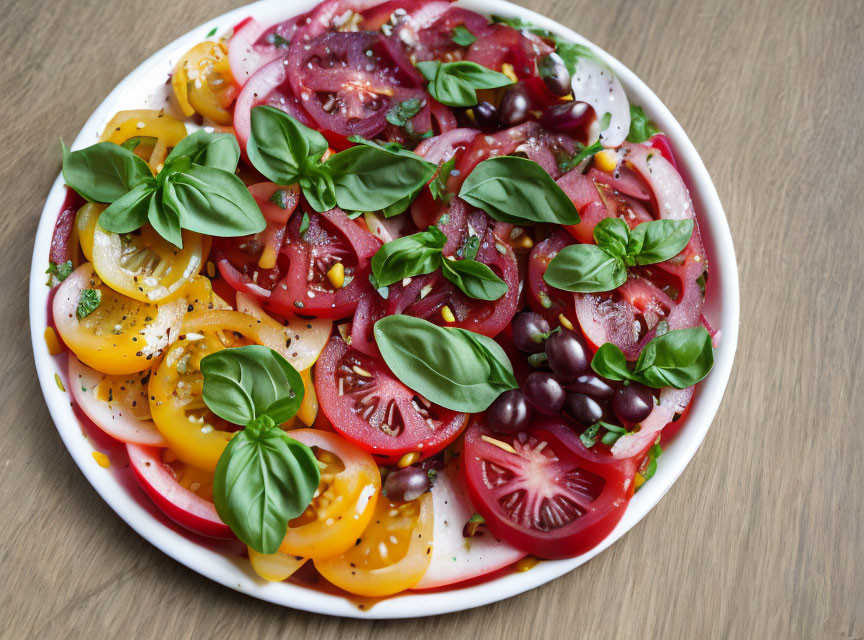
(121, 335)
(275, 567)
(166, 131)
(203, 83)
(85, 224)
(345, 500)
(392, 554)
(142, 264)
(194, 433)
(199, 295)
(300, 340)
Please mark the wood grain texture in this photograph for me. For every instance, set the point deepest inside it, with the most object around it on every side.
(762, 535)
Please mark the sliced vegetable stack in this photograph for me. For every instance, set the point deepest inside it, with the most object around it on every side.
(397, 289)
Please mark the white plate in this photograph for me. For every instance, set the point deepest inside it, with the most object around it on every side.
(145, 88)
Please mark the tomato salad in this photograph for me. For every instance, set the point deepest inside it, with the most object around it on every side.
(392, 292)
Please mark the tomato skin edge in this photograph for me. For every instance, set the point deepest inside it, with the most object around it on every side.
(209, 527)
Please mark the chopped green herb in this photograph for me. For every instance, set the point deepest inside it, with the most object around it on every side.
(400, 115)
(88, 302)
(59, 271)
(280, 198)
(462, 36)
(641, 128)
(584, 152)
(438, 185)
(211, 33)
(588, 437)
(304, 224)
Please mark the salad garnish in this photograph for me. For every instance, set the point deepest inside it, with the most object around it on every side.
(263, 478)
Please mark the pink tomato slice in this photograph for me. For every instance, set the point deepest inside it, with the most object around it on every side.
(116, 404)
(456, 558)
(182, 505)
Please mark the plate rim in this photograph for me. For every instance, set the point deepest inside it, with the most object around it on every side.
(229, 572)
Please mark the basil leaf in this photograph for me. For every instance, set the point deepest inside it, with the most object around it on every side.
(518, 191)
(88, 301)
(217, 150)
(408, 256)
(165, 216)
(128, 212)
(304, 225)
(455, 83)
(641, 128)
(104, 172)
(367, 177)
(280, 146)
(317, 186)
(214, 202)
(609, 362)
(612, 235)
(454, 368)
(474, 279)
(658, 240)
(653, 453)
(245, 383)
(584, 152)
(679, 359)
(133, 143)
(263, 479)
(462, 36)
(585, 268)
(438, 185)
(400, 115)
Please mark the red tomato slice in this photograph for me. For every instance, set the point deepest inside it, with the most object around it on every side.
(426, 296)
(435, 41)
(330, 239)
(116, 404)
(348, 81)
(249, 49)
(177, 502)
(250, 263)
(369, 406)
(542, 298)
(542, 491)
(502, 44)
(454, 557)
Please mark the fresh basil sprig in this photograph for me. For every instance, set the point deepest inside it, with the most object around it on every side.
(366, 177)
(455, 83)
(679, 358)
(408, 256)
(421, 253)
(196, 188)
(590, 268)
(263, 478)
(457, 369)
(519, 191)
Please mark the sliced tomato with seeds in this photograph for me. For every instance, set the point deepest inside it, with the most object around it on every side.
(541, 297)
(427, 296)
(542, 491)
(369, 406)
(347, 82)
(250, 264)
(308, 286)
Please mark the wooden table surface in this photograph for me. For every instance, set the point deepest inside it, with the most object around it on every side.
(762, 535)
